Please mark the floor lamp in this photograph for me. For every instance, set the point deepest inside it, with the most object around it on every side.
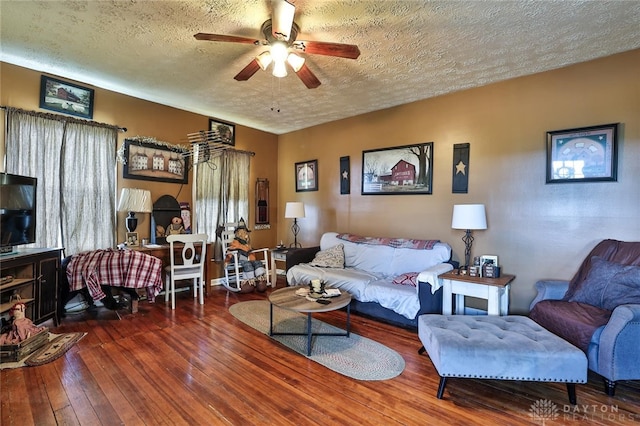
(468, 217)
(294, 210)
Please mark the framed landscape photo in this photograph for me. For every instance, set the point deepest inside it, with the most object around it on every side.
(157, 162)
(67, 98)
(586, 154)
(227, 131)
(399, 170)
(307, 176)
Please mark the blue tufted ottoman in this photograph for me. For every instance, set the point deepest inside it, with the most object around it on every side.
(499, 347)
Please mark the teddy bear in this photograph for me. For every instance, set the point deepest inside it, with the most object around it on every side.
(175, 227)
(254, 272)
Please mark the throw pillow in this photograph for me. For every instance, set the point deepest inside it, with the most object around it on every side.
(409, 278)
(609, 285)
(332, 257)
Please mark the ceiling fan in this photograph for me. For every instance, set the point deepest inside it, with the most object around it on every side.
(280, 34)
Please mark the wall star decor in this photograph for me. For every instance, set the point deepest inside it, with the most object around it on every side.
(345, 175)
(460, 184)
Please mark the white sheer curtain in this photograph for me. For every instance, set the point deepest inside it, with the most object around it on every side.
(222, 191)
(88, 185)
(74, 163)
(33, 147)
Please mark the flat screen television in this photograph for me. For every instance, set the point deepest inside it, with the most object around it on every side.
(17, 211)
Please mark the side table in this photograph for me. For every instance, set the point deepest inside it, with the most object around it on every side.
(494, 290)
(277, 255)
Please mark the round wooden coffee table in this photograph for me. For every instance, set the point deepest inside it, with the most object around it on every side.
(286, 298)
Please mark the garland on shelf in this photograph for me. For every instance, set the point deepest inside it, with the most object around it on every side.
(139, 140)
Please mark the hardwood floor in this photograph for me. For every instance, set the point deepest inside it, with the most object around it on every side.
(198, 365)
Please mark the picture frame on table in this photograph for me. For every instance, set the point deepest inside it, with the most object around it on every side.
(227, 131)
(132, 239)
(306, 176)
(400, 170)
(67, 98)
(155, 162)
(584, 154)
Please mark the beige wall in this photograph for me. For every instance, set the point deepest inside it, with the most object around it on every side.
(538, 230)
(20, 87)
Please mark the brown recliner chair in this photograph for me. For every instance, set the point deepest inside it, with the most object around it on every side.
(598, 310)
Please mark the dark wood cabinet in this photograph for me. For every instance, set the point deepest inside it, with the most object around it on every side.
(35, 276)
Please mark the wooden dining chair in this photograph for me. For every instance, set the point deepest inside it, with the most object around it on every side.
(188, 266)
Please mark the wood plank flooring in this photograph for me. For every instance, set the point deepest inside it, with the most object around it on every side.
(198, 365)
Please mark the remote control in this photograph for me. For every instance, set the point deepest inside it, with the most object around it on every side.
(323, 301)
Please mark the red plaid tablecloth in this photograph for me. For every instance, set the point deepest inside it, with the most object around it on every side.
(116, 268)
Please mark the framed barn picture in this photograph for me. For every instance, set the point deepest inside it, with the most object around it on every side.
(400, 170)
(67, 98)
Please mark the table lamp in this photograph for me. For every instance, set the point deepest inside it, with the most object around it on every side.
(294, 210)
(134, 201)
(468, 217)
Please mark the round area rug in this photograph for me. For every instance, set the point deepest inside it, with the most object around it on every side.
(355, 356)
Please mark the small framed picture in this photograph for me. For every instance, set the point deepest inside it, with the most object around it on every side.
(227, 131)
(307, 176)
(585, 154)
(67, 98)
(132, 239)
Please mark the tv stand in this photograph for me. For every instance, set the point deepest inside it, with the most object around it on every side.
(35, 276)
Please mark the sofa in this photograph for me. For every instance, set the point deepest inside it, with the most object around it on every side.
(598, 310)
(391, 279)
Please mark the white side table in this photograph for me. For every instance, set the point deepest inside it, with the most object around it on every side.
(494, 290)
(277, 255)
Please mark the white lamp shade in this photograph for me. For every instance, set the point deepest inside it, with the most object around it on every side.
(135, 200)
(294, 210)
(469, 216)
(295, 61)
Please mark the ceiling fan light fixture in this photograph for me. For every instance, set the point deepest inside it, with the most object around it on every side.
(295, 61)
(279, 51)
(279, 69)
(264, 59)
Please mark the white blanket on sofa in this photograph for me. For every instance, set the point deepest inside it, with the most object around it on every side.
(370, 270)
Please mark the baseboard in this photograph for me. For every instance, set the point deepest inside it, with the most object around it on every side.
(217, 281)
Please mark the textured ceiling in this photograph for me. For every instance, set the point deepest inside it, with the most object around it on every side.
(411, 50)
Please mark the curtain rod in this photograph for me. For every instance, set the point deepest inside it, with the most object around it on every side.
(64, 118)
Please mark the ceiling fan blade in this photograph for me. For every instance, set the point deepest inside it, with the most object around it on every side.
(248, 71)
(308, 77)
(349, 51)
(282, 19)
(226, 38)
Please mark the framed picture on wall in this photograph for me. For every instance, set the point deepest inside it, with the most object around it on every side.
(399, 170)
(227, 131)
(67, 98)
(307, 176)
(155, 161)
(585, 154)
